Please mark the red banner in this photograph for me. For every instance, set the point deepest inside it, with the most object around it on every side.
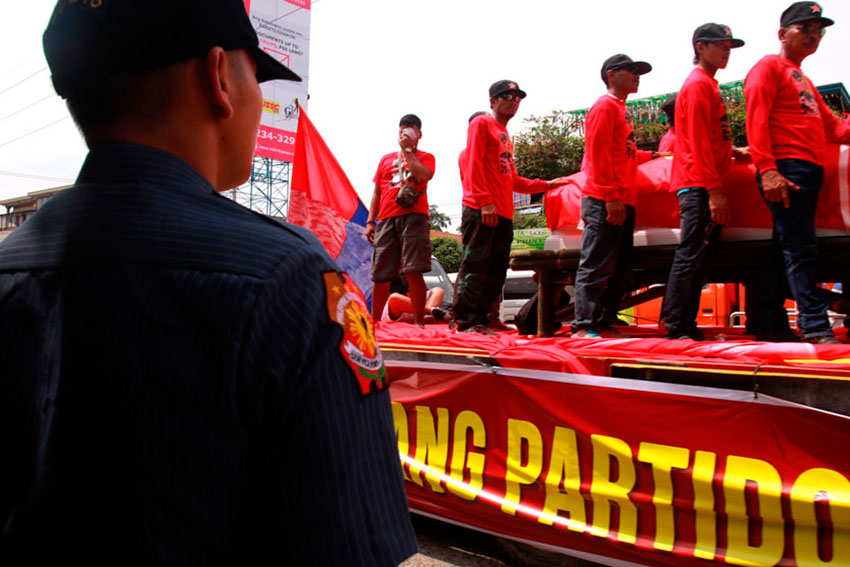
(625, 472)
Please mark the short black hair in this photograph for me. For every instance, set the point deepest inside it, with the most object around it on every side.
(144, 95)
(410, 120)
(696, 51)
(669, 108)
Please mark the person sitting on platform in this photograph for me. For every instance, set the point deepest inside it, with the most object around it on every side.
(399, 307)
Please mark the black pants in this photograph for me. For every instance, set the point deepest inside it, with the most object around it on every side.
(486, 251)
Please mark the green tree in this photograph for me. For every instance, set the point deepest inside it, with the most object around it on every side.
(546, 149)
(447, 251)
(736, 112)
(438, 220)
(648, 135)
(529, 221)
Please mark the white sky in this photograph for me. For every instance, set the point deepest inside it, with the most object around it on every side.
(374, 60)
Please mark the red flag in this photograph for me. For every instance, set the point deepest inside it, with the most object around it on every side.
(322, 199)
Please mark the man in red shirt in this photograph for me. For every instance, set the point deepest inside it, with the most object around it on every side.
(401, 235)
(608, 202)
(487, 219)
(787, 127)
(701, 155)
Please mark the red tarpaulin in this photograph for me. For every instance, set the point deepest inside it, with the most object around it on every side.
(563, 354)
(625, 472)
(658, 207)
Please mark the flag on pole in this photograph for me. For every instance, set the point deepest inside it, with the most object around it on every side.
(322, 199)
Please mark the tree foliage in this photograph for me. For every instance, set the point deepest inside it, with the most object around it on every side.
(448, 252)
(736, 112)
(648, 135)
(529, 221)
(438, 220)
(546, 149)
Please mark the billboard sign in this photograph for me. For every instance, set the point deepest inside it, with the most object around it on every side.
(283, 27)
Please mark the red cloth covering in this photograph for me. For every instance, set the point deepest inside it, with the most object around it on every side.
(703, 147)
(384, 176)
(564, 354)
(657, 207)
(611, 156)
(491, 177)
(786, 116)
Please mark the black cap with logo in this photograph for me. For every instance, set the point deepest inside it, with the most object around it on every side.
(621, 61)
(803, 12)
(90, 40)
(504, 87)
(715, 32)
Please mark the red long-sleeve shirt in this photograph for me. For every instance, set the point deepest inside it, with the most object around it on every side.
(703, 147)
(611, 156)
(786, 116)
(491, 177)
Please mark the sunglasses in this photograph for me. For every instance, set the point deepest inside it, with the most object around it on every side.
(811, 28)
(509, 97)
(631, 68)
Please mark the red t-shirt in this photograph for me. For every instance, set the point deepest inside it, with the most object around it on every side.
(611, 156)
(703, 147)
(786, 116)
(491, 177)
(388, 179)
(667, 141)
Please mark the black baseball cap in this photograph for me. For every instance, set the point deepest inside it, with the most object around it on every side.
(505, 86)
(803, 12)
(87, 41)
(715, 32)
(620, 61)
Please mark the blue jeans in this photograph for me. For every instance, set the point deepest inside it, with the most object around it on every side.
(687, 274)
(603, 271)
(791, 264)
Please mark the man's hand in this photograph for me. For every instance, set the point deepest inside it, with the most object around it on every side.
(776, 187)
(406, 143)
(663, 154)
(718, 204)
(616, 212)
(370, 231)
(741, 153)
(489, 216)
(557, 182)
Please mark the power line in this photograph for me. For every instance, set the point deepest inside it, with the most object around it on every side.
(31, 176)
(26, 107)
(21, 64)
(34, 131)
(27, 78)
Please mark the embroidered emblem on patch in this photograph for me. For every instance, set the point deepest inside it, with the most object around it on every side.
(347, 308)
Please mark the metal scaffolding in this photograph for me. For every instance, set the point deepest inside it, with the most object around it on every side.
(267, 190)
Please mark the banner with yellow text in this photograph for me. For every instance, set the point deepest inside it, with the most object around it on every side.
(625, 472)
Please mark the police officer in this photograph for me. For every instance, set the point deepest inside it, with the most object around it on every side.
(184, 381)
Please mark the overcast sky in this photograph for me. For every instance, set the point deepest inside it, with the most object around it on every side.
(371, 61)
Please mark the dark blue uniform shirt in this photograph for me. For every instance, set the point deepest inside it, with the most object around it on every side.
(172, 389)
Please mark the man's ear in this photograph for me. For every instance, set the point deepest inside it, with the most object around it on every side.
(220, 82)
(781, 34)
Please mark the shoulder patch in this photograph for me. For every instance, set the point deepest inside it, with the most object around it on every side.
(347, 308)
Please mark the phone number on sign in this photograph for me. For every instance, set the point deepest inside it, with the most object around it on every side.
(278, 137)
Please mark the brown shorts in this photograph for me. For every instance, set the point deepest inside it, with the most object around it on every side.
(402, 244)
